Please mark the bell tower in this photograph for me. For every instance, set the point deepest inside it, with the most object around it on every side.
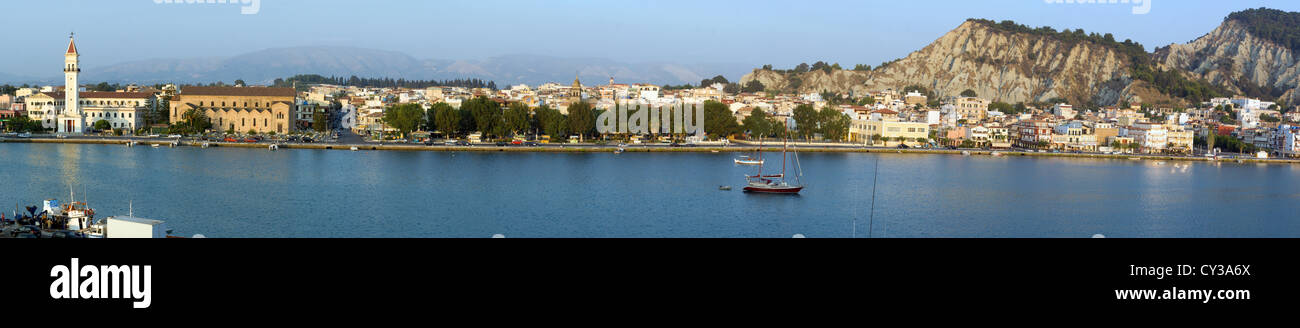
(71, 120)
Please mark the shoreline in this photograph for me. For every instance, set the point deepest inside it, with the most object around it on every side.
(592, 148)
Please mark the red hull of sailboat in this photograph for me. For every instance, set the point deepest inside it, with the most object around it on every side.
(791, 190)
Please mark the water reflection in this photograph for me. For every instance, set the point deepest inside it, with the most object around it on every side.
(317, 193)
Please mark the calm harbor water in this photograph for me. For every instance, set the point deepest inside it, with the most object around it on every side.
(236, 192)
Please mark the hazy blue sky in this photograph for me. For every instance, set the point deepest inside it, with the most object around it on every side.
(782, 33)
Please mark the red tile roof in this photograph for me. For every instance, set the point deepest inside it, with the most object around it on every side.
(72, 46)
(238, 91)
(102, 94)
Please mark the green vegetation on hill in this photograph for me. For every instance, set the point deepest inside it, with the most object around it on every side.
(1280, 27)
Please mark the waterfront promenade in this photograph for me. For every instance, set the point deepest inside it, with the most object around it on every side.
(610, 147)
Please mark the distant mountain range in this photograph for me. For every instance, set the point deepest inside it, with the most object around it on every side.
(262, 67)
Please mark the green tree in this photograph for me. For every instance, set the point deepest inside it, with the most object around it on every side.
(582, 119)
(102, 125)
(718, 120)
(194, 121)
(969, 93)
(753, 86)
(758, 124)
(445, 119)
(486, 114)
(552, 123)
(405, 118)
(516, 118)
(834, 124)
(805, 120)
(22, 123)
(319, 122)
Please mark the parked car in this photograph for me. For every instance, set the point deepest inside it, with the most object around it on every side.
(308, 140)
(501, 144)
(462, 143)
(903, 146)
(517, 142)
(230, 139)
(175, 136)
(250, 140)
(532, 144)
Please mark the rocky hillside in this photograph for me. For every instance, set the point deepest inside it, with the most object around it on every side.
(1235, 57)
(998, 63)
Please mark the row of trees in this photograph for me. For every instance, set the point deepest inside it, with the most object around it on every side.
(830, 123)
(308, 79)
(490, 118)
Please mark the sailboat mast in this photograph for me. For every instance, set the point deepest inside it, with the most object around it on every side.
(784, 144)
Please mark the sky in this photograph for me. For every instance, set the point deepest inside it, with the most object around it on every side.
(754, 32)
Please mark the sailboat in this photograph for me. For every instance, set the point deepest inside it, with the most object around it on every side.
(746, 160)
(769, 184)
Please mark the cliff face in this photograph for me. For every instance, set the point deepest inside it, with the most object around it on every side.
(1000, 65)
(1232, 57)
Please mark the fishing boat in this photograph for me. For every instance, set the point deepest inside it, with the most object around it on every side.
(776, 183)
(746, 160)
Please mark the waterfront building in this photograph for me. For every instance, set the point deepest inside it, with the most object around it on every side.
(1150, 137)
(972, 109)
(862, 131)
(1180, 139)
(1289, 140)
(70, 110)
(240, 109)
(1029, 133)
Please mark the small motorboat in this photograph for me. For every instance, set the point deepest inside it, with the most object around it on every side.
(354, 148)
(206, 145)
(156, 145)
(620, 150)
(746, 160)
(996, 154)
(724, 188)
(965, 153)
(273, 147)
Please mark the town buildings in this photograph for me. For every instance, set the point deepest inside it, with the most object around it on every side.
(71, 110)
(238, 109)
